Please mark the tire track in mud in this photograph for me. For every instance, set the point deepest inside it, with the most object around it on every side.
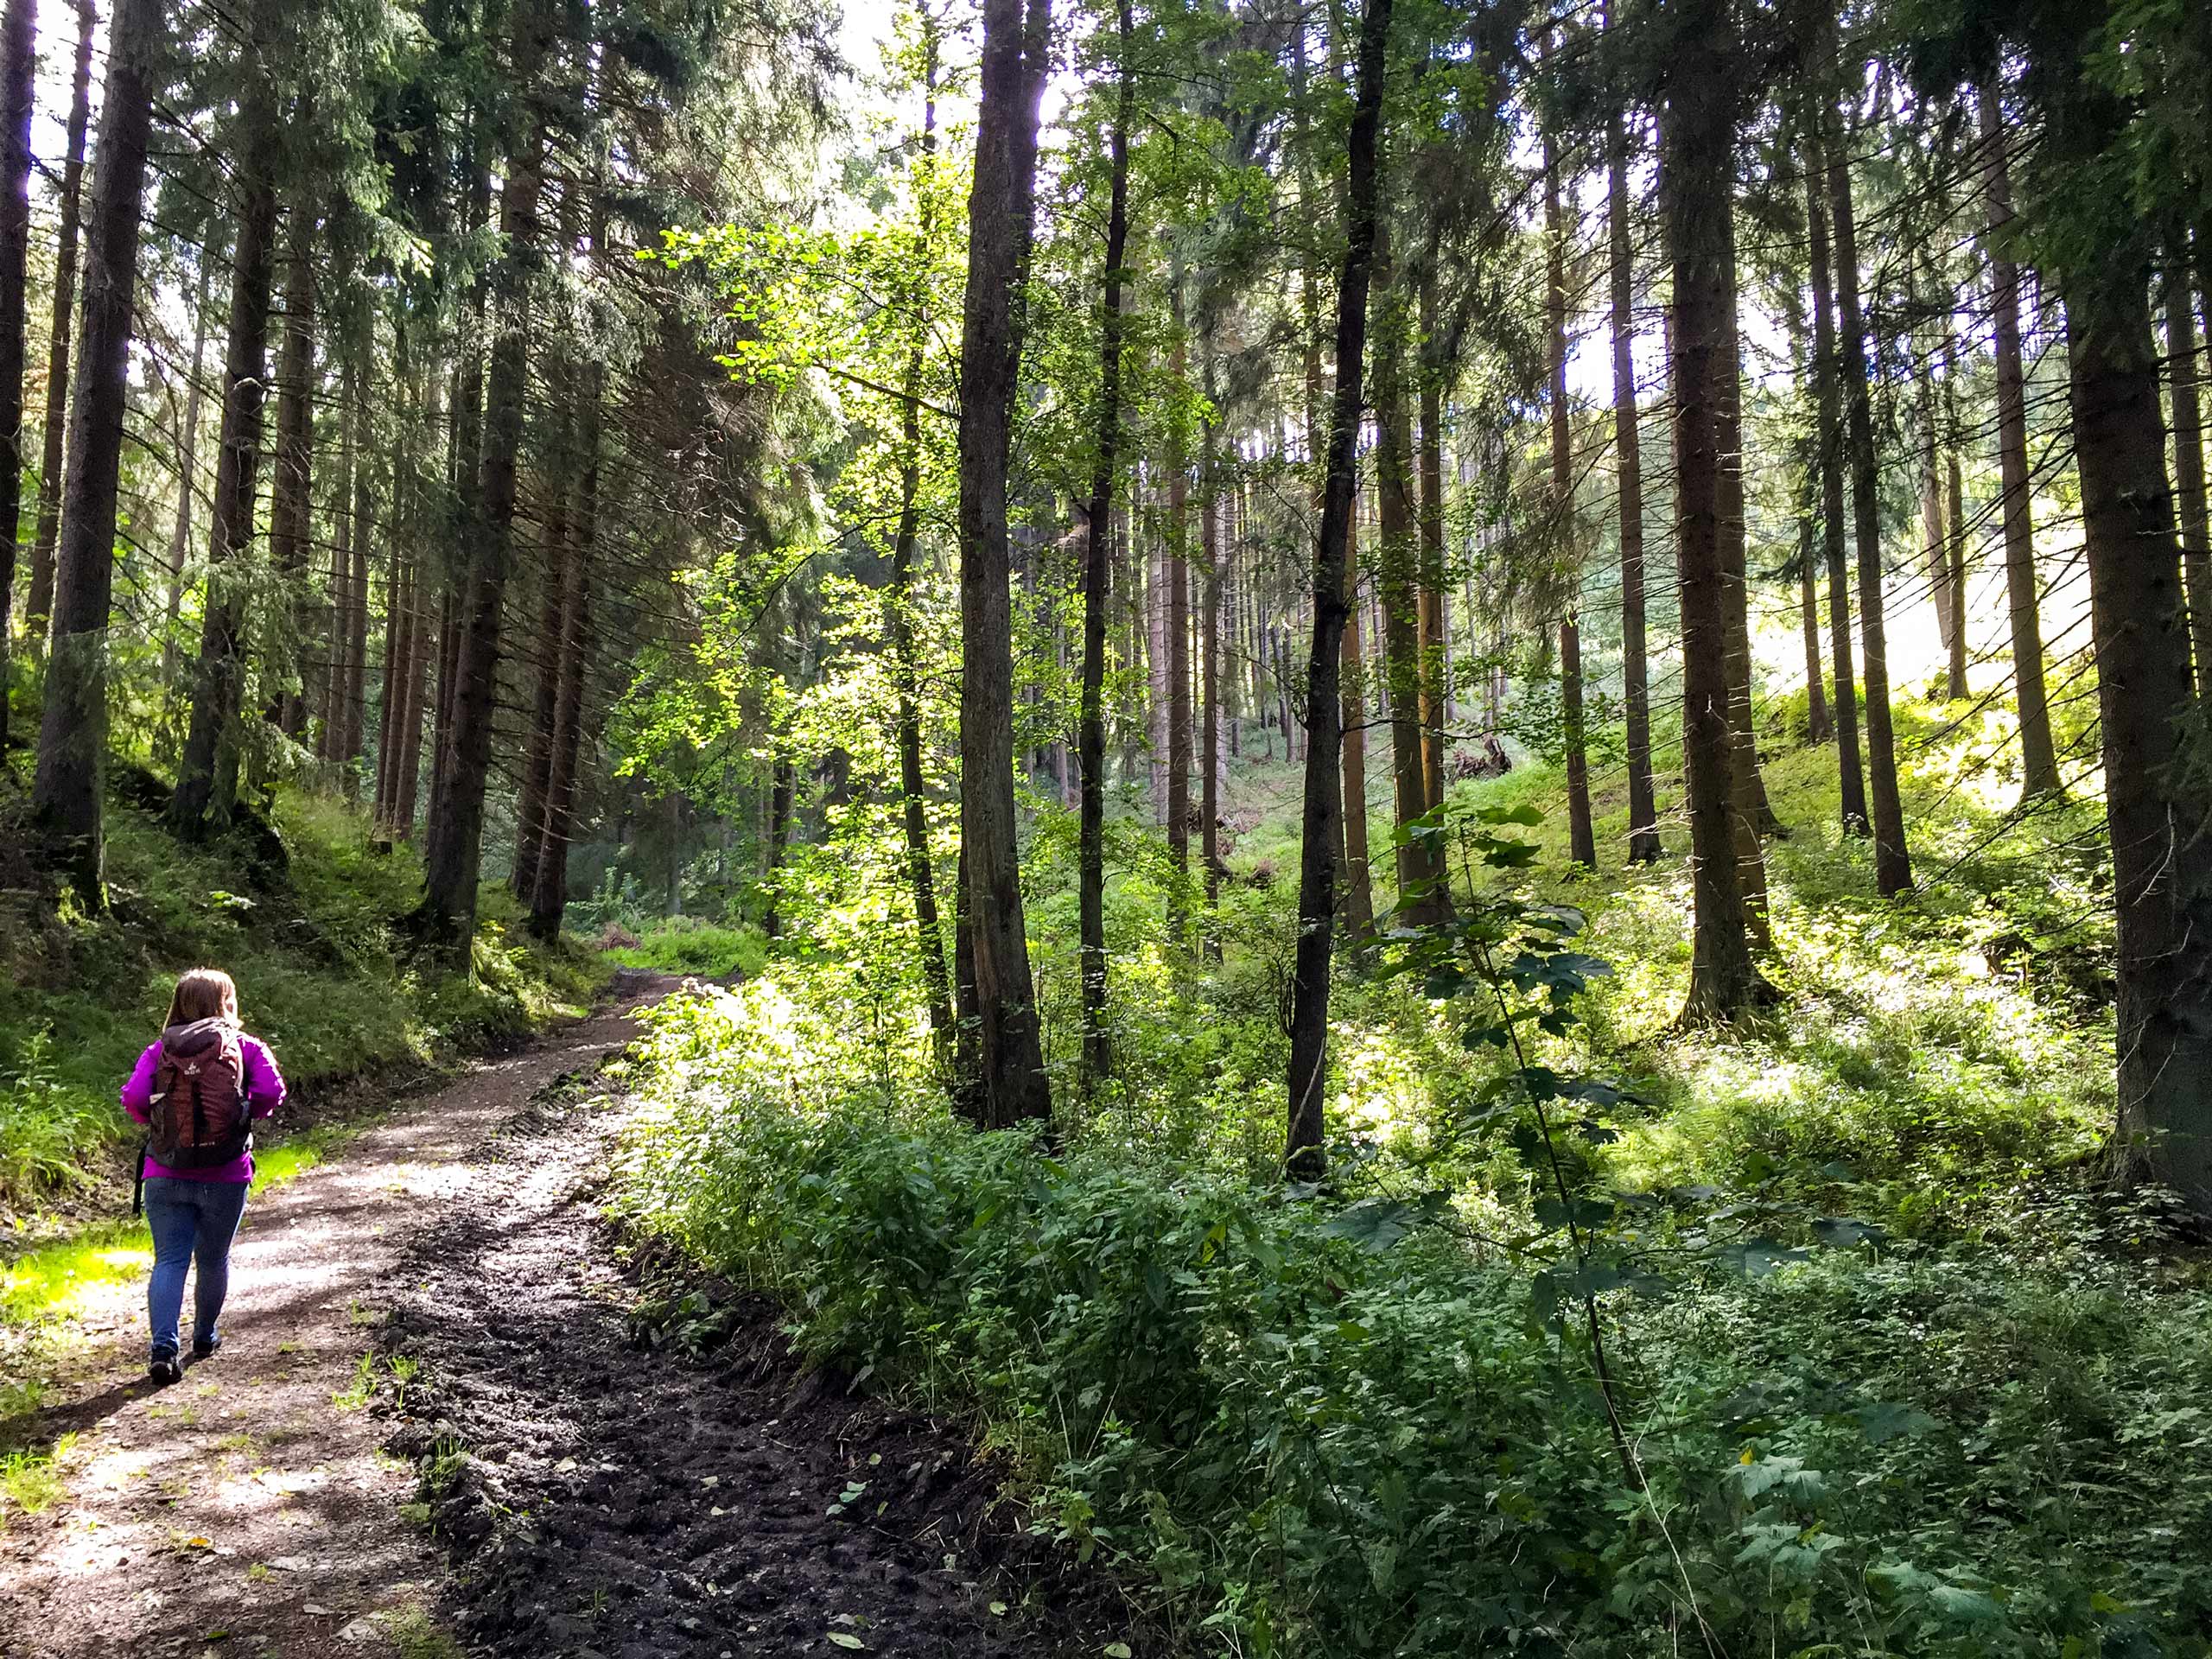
(606, 1498)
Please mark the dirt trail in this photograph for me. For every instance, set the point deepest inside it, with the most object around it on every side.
(593, 1499)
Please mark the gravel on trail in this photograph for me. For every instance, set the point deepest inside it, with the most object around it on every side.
(445, 1421)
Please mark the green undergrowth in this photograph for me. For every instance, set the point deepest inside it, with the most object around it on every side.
(1363, 1420)
(323, 975)
(690, 944)
(1318, 1437)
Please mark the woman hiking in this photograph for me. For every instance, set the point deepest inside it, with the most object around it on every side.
(197, 1089)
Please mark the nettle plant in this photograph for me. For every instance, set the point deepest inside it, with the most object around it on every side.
(1507, 969)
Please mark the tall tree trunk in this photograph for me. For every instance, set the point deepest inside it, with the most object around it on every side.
(1398, 589)
(2161, 879)
(2188, 462)
(1210, 689)
(1818, 727)
(1323, 807)
(783, 783)
(548, 897)
(1435, 642)
(1178, 639)
(1892, 863)
(18, 68)
(537, 748)
(1955, 514)
(563, 377)
(59, 339)
(921, 874)
(398, 614)
(1828, 396)
(464, 458)
(361, 514)
(452, 851)
(73, 733)
(1697, 142)
(1627, 464)
(187, 474)
(330, 734)
(1754, 815)
(2038, 755)
(1001, 208)
(1155, 658)
(1582, 836)
(206, 774)
(1935, 540)
(291, 486)
(395, 661)
(1357, 873)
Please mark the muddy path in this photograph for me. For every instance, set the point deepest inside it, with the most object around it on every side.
(640, 1470)
(435, 1428)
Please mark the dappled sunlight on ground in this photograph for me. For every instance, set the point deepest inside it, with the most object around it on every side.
(254, 1498)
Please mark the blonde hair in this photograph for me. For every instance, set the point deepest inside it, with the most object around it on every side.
(203, 994)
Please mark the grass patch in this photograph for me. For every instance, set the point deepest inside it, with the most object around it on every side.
(30, 1480)
(688, 945)
(50, 1282)
(416, 1635)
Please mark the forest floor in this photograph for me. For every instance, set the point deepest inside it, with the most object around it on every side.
(438, 1426)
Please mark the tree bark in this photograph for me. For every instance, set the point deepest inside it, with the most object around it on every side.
(207, 775)
(1892, 862)
(293, 475)
(1323, 807)
(1934, 542)
(2189, 463)
(1210, 689)
(2038, 755)
(18, 68)
(1627, 453)
(549, 896)
(60, 335)
(1954, 514)
(2162, 875)
(464, 456)
(1827, 394)
(1179, 639)
(1754, 815)
(921, 876)
(1582, 837)
(552, 613)
(1002, 208)
(72, 734)
(362, 515)
(1398, 590)
(398, 615)
(187, 473)
(783, 784)
(330, 734)
(452, 851)
(1435, 640)
(1357, 873)
(1818, 727)
(1697, 140)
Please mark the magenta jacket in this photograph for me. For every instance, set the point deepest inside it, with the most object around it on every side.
(264, 1092)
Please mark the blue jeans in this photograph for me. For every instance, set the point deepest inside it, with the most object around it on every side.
(189, 1218)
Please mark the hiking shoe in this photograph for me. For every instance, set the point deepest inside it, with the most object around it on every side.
(205, 1350)
(164, 1371)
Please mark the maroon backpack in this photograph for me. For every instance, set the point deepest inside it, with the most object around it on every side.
(200, 1115)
